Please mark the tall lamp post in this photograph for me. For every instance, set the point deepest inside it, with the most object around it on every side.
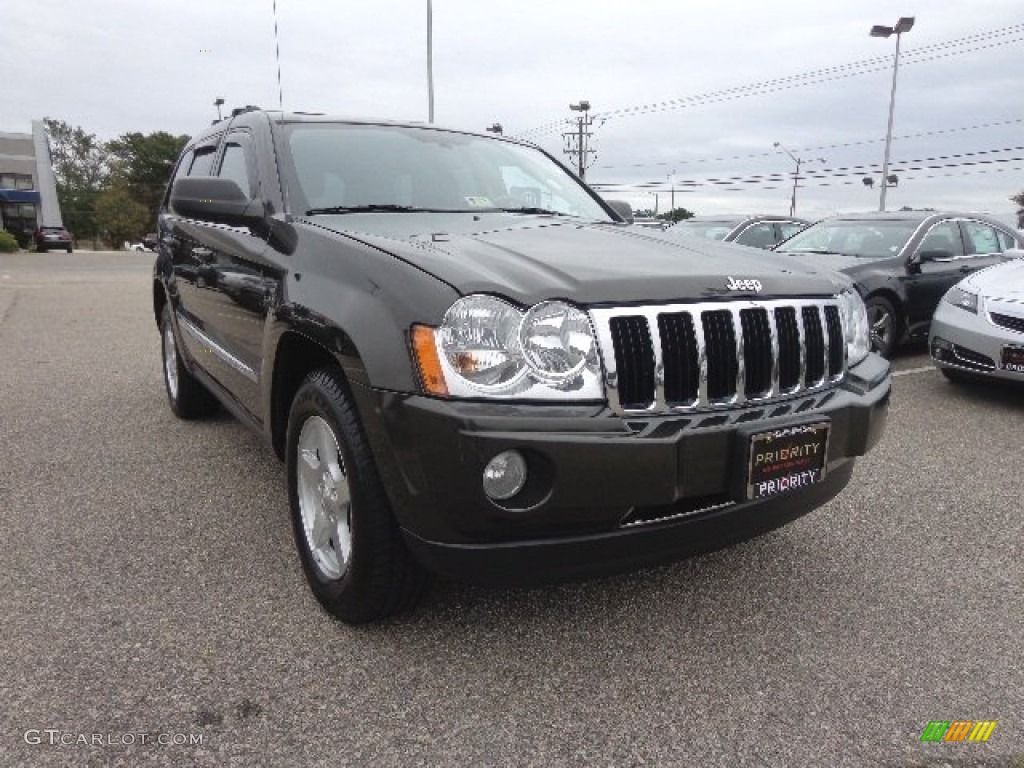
(796, 176)
(430, 61)
(905, 24)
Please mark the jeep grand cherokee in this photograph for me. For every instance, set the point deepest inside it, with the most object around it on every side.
(470, 365)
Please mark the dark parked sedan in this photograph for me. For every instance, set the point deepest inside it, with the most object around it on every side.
(755, 231)
(903, 263)
(53, 237)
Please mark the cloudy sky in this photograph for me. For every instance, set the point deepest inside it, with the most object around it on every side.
(721, 82)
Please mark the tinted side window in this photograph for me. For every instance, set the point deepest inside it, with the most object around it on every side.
(202, 162)
(981, 238)
(1005, 240)
(758, 236)
(943, 237)
(790, 228)
(234, 166)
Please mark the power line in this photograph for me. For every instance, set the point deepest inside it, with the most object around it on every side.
(817, 148)
(770, 184)
(968, 44)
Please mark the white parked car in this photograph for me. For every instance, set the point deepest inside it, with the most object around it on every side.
(978, 327)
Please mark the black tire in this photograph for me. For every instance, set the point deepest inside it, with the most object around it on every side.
(379, 578)
(883, 325)
(69, 249)
(187, 397)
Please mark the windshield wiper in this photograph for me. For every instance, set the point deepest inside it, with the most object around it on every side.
(821, 251)
(371, 208)
(531, 209)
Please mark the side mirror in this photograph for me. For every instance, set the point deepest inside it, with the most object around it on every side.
(623, 209)
(936, 254)
(1013, 253)
(216, 200)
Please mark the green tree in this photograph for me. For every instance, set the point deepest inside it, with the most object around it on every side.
(119, 216)
(80, 166)
(676, 214)
(1018, 199)
(142, 164)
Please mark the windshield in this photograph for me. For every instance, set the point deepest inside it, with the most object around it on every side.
(712, 230)
(865, 239)
(378, 168)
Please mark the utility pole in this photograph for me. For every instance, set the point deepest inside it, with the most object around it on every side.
(796, 176)
(576, 141)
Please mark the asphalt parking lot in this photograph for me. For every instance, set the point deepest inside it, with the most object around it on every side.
(149, 585)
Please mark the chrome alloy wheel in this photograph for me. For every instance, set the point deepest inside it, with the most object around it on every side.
(324, 499)
(880, 326)
(170, 361)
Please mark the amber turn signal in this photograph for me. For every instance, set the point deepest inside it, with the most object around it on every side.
(427, 362)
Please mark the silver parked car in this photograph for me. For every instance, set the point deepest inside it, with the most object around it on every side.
(755, 231)
(978, 327)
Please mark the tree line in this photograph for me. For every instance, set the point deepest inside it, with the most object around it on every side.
(111, 191)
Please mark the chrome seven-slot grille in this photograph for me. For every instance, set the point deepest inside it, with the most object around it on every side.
(688, 357)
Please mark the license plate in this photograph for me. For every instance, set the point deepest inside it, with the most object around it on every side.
(1012, 359)
(786, 459)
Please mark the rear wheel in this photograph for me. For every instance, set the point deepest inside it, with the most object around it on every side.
(349, 543)
(187, 397)
(883, 325)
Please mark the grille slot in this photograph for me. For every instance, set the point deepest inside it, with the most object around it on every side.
(757, 351)
(789, 348)
(814, 344)
(681, 358)
(634, 359)
(1008, 321)
(836, 341)
(712, 355)
(720, 343)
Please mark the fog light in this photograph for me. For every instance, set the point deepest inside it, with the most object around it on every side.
(505, 475)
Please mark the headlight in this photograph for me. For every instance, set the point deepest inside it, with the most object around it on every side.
(486, 347)
(558, 344)
(478, 342)
(964, 299)
(855, 326)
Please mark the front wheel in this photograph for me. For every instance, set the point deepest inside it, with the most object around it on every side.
(351, 548)
(883, 325)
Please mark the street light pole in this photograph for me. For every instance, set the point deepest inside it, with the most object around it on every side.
(905, 24)
(430, 61)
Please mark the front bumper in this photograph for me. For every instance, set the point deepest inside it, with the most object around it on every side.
(969, 342)
(609, 493)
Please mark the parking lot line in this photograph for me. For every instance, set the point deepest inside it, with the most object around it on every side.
(908, 371)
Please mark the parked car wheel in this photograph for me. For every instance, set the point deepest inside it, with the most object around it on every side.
(351, 548)
(188, 398)
(69, 249)
(883, 323)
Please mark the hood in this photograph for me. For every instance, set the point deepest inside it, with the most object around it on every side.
(1002, 281)
(530, 258)
(835, 261)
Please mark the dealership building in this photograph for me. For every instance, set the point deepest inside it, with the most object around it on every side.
(28, 189)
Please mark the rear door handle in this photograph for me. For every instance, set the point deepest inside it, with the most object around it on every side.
(202, 254)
